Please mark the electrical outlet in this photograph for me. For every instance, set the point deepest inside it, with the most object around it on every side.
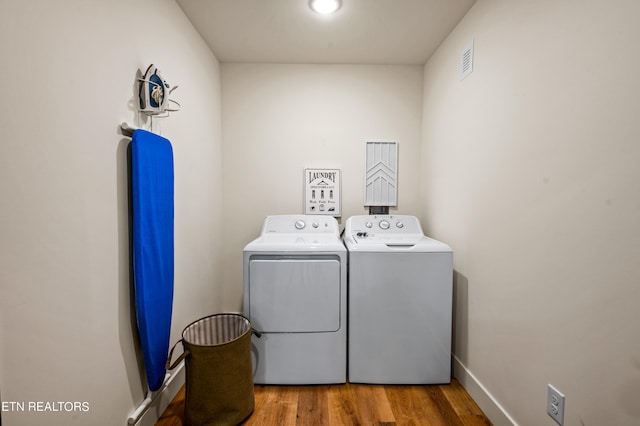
(555, 404)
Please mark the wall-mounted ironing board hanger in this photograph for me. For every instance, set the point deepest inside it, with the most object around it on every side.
(127, 130)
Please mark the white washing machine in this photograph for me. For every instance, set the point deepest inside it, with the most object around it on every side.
(295, 295)
(400, 302)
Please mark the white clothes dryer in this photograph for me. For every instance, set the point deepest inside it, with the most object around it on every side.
(295, 295)
(400, 302)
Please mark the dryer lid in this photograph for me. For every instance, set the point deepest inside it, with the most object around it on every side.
(299, 243)
(308, 233)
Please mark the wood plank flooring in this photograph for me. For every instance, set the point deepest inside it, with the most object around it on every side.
(353, 404)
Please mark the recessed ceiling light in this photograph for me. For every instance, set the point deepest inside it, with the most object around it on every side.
(325, 7)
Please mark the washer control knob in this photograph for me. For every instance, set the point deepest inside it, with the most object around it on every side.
(384, 224)
(368, 224)
(300, 224)
(315, 224)
(399, 224)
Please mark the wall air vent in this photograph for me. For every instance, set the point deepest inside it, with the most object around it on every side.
(467, 61)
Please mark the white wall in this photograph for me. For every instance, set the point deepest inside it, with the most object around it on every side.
(528, 168)
(531, 172)
(280, 119)
(68, 77)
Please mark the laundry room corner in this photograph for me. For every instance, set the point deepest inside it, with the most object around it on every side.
(67, 324)
(309, 115)
(530, 174)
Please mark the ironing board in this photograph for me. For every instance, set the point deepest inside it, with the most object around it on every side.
(152, 198)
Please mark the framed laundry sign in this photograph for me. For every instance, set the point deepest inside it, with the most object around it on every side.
(322, 192)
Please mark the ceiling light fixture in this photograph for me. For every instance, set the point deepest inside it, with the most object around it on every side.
(325, 7)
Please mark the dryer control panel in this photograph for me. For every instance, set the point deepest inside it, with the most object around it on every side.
(300, 224)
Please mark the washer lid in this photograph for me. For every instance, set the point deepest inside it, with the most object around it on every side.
(388, 233)
(421, 245)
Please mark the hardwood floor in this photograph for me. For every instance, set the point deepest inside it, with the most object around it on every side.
(353, 404)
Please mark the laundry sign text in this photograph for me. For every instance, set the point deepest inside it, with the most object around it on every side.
(321, 176)
(322, 191)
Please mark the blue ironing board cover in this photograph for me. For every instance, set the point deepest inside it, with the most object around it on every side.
(152, 194)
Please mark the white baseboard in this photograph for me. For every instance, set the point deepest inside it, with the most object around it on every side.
(487, 403)
(163, 398)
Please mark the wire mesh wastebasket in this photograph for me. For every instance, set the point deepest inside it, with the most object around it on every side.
(219, 377)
